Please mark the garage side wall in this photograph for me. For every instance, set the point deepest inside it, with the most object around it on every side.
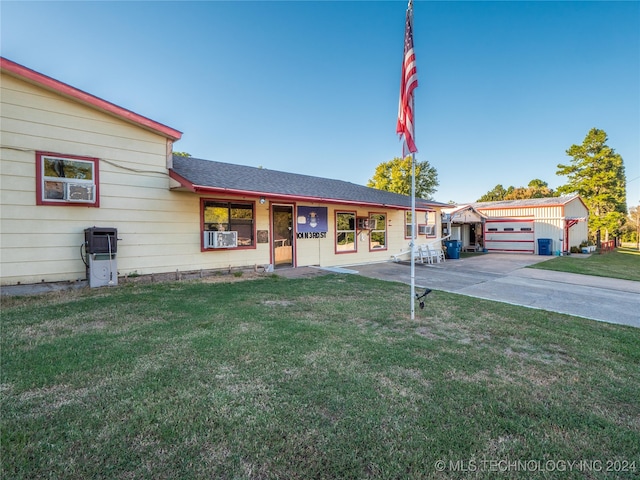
(580, 231)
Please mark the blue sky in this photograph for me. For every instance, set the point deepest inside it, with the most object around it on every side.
(505, 88)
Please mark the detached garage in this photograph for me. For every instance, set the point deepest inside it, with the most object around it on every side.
(509, 235)
(522, 226)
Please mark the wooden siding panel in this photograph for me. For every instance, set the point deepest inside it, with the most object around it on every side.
(83, 140)
(23, 101)
(67, 113)
(18, 192)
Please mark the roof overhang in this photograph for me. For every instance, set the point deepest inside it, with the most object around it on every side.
(31, 76)
(464, 214)
(571, 221)
(186, 184)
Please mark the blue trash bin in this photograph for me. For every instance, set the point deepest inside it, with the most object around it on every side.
(544, 246)
(453, 248)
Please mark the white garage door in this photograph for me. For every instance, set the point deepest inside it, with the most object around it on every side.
(509, 235)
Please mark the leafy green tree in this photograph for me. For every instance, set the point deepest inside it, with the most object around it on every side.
(395, 176)
(497, 193)
(536, 189)
(631, 230)
(182, 154)
(597, 174)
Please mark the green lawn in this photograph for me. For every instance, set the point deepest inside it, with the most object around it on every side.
(622, 263)
(323, 377)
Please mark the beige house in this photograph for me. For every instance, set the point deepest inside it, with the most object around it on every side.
(521, 226)
(92, 190)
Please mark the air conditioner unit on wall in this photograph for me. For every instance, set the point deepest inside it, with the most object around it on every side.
(363, 223)
(79, 192)
(220, 239)
(426, 229)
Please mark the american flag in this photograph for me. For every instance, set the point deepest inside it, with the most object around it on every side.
(408, 82)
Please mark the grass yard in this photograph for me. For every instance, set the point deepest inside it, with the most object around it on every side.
(322, 377)
(621, 263)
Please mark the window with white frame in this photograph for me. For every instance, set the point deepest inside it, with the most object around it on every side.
(407, 224)
(345, 232)
(378, 231)
(430, 226)
(66, 180)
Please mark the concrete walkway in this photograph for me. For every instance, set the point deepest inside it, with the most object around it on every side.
(502, 277)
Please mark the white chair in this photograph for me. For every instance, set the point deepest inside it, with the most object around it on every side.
(428, 254)
(423, 254)
(435, 254)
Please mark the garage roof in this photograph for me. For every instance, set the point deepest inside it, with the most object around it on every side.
(527, 202)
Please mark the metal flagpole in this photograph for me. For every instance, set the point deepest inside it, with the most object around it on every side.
(413, 236)
(406, 128)
(413, 193)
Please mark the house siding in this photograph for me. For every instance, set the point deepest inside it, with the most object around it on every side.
(42, 243)
(322, 251)
(159, 225)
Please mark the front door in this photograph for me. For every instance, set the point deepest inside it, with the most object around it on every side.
(282, 228)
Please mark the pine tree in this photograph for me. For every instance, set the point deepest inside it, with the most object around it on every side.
(597, 174)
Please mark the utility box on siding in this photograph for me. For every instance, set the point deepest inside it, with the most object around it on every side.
(101, 246)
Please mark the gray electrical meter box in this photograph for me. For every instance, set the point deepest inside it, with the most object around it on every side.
(101, 248)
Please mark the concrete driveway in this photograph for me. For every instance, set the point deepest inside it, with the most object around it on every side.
(502, 277)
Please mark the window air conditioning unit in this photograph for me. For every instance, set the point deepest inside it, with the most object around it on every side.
(79, 192)
(426, 229)
(364, 223)
(220, 239)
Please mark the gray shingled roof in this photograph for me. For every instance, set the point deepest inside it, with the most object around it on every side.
(261, 181)
(527, 202)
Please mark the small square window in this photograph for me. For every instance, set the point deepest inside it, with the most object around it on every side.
(66, 180)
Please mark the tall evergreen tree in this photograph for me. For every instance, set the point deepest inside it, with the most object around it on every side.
(597, 174)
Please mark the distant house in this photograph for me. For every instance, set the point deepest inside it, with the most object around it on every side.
(517, 225)
(72, 161)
